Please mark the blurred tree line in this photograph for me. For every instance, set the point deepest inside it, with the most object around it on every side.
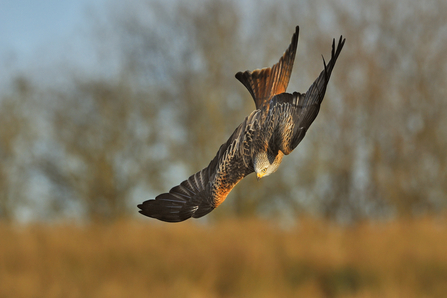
(96, 146)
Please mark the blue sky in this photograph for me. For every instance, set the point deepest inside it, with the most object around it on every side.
(24, 24)
(28, 24)
(32, 31)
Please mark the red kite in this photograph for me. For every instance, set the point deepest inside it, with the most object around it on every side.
(277, 125)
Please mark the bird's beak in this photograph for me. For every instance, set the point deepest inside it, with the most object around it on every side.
(258, 176)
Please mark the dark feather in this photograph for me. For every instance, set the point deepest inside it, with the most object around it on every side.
(208, 188)
(294, 113)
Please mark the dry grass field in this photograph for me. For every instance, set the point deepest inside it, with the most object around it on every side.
(252, 258)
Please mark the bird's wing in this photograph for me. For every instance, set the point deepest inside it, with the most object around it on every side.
(265, 83)
(205, 190)
(293, 113)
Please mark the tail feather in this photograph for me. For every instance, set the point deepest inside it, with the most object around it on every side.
(265, 83)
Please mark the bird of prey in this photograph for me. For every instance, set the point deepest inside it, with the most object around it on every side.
(277, 125)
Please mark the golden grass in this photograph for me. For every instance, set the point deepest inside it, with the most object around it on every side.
(251, 258)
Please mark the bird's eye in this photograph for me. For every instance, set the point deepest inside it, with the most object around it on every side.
(264, 170)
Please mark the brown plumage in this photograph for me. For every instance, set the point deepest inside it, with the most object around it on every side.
(258, 144)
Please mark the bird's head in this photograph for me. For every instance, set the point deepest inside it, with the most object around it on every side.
(263, 164)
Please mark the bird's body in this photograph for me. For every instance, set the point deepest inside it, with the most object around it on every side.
(259, 143)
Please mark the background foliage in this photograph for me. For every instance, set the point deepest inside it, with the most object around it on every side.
(242, 258)
(81, 147)
(165, 99)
